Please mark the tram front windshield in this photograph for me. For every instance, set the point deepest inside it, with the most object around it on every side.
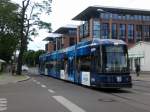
(115, 58)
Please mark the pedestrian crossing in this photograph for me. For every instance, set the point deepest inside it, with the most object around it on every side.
(3, 104)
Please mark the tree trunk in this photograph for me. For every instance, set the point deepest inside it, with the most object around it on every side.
(23, 37)
(19, 65)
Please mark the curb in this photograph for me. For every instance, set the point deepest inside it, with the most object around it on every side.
(25, 79)
(141, 80)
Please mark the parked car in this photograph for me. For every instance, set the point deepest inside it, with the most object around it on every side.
(25, 68)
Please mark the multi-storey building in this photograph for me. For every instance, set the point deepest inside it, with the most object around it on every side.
(63, 37)
(53, 41)
(68, 35)
(130, 25)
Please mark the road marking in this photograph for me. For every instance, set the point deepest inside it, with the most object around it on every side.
(68, 104)
(3, 99)
(34, 80)
(3, 108)
(38, 82)
(44, 86)
(51, 91)
(3, 104)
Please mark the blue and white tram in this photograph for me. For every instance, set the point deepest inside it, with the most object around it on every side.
(101, 63)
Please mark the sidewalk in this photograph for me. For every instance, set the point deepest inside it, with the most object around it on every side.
(6, 78)
(142, 77)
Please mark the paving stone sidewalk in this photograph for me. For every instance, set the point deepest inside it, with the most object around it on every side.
(6, 78)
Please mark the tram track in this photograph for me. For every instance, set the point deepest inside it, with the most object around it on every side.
(130, 100)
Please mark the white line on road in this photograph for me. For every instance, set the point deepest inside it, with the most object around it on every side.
(38, 82)
(51, 91)
(44, 86)
(3, 108)
(3, 104)
(68, 104)
(3, 99)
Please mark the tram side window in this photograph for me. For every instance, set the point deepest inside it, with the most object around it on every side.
(52, 65)
(85, 63)
(62, 64)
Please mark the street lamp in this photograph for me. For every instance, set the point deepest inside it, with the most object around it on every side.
(110, 21)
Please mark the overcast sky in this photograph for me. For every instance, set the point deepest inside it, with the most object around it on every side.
(64, 10)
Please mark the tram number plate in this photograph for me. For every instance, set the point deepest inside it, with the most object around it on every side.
(119, 79)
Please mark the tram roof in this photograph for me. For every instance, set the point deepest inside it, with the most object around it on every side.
(97, 41)
(107, 41)
(89, 43)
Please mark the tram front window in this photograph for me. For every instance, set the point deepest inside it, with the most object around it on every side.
(115, 58)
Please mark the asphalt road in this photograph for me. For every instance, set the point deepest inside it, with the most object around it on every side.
(46, 94)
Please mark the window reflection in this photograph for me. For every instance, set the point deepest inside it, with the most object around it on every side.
(130, 32)
(122, 31)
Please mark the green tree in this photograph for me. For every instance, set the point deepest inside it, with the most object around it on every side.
(9, 29)
(37, 54)
(28, 58)
(30, 21)
(31, 58)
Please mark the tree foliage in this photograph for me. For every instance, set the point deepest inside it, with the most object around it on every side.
(31, 58)
(9, 29)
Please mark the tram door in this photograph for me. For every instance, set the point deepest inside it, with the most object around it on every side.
(71, 69)
(93, 66)
(66, 69)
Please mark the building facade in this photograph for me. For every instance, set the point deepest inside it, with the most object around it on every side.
(130, 25)
(68, 36)
(63, 37)
(139, 54)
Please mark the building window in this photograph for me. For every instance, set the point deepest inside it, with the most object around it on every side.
(146, 32)
(119, 16)
(122, 31)
(105, 30)
(114, 31)
(105, 16)
(72, 41)
(72, 32)
(144, 18)
(140, 17)
(115, 16)
(147, 18)
(81, 30)
(138, 32)
(86, 28)
(96, 29)
(130, 32)
(127, 17)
